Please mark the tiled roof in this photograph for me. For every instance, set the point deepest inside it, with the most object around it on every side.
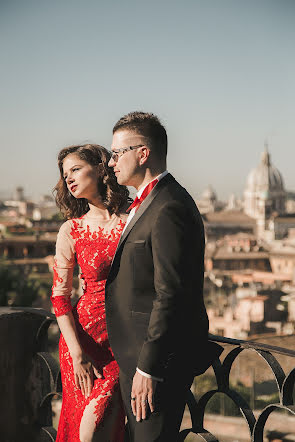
(229, 217)
(28, 239)
(224, 253)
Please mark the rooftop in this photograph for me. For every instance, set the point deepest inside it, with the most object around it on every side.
(229, 217)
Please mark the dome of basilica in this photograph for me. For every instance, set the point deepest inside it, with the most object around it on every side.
(209, 194)
(265, 177)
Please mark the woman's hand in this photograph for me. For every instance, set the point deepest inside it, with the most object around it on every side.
(84, 372)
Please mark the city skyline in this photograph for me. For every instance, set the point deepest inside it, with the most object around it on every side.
(11, 194)
(219, 76)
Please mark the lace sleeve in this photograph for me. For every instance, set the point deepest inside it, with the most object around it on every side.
(63, 269)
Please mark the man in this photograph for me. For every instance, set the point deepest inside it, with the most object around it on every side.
(156, 318)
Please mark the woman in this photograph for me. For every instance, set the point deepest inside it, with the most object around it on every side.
(93, 202)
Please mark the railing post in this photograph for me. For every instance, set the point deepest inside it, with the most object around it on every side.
(24, 376)
(285, 384)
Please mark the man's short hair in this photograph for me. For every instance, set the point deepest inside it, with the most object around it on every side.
(148, 125)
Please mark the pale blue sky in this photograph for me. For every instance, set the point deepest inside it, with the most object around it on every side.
(219, 73)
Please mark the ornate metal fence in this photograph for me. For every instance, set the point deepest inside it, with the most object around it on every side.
(284, 382)
(30, 377)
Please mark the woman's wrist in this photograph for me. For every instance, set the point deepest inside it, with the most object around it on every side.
(77, 354)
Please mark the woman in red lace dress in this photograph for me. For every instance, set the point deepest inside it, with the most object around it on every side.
(89, 195)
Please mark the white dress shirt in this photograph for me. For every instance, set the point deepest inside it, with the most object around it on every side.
(138, 195)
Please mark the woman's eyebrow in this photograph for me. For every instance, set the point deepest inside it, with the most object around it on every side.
(75, 165)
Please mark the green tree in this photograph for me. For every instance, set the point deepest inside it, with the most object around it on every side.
(222, 404)
(18, 286)
(58, 217)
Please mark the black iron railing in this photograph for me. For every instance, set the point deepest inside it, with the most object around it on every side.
(30, 378)
(284, 382)
(29, 375)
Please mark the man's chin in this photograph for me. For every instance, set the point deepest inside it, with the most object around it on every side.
(120, 180)
(123, 181)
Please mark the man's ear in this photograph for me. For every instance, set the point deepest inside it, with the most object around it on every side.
(144, 155)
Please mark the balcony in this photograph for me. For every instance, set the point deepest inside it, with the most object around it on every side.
(30, 380)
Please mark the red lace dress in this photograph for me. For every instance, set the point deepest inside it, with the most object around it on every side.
(92, 241)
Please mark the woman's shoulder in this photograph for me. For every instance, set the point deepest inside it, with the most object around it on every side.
(121, 220)
(71, 223)
(122, 217)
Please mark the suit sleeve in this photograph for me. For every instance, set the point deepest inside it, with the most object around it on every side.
(170, 244)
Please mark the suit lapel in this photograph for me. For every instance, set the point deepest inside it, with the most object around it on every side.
(142, 208)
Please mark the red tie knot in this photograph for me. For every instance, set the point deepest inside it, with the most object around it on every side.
(137, 202)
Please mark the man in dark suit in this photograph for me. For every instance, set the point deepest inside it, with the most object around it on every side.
(156, 318)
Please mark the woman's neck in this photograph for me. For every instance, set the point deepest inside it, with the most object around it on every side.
(97, 208)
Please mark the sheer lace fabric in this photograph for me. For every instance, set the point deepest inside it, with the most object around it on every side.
(92, 242)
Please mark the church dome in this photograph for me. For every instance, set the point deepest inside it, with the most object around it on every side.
(265, 177)
(209, 194)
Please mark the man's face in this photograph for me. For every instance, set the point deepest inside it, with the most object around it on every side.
(127, 167)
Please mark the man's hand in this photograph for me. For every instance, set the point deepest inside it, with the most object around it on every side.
(142, 395)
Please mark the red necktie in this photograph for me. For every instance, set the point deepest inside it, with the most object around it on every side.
(137, 202)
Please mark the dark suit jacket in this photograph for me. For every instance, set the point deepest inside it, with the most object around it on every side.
(156, 318)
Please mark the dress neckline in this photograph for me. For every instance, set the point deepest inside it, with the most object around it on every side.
(99, 217)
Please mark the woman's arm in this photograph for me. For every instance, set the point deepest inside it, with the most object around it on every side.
(61, 292)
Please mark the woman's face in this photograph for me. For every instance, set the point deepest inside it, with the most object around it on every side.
(80, 177)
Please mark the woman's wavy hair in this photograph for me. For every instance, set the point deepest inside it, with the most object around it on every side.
(114, 197)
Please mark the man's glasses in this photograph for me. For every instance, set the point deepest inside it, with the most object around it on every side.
(116, 154)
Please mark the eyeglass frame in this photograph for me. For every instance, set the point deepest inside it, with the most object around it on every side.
(115, 153)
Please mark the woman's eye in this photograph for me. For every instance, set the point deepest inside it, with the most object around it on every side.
(76, 168)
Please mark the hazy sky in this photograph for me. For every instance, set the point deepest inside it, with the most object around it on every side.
(219, 73)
